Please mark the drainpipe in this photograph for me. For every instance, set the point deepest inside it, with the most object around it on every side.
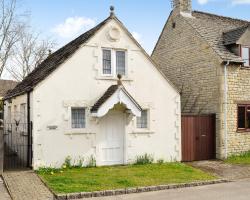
(29, 124)
(225, 108)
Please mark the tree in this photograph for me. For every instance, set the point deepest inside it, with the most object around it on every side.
(10, 28)
(28, 53)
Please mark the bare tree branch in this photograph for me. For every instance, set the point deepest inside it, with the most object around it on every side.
(10, 28)
(28, 53)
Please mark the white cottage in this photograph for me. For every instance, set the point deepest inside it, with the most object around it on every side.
(75, 105)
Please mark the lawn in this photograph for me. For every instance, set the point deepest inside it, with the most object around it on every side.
(239, 159)
(118, 177)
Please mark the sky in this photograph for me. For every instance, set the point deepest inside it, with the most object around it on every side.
(63, 20)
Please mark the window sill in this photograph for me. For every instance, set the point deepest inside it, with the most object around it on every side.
(112, 78)
(243, 130)
(78, 132)
(142, 131)
(245, 67)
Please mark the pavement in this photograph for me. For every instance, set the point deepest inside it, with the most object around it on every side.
(4, 195)
(26, 185)
(238, 190)
(224, 170)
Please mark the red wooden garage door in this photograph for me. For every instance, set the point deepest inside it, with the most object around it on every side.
(198, 137)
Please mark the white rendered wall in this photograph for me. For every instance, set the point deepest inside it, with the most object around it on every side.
(78, 82)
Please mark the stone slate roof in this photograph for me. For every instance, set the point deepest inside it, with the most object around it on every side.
(110, 91)
(6, 85)
(232, 36)
(52, 62)
(211, 27)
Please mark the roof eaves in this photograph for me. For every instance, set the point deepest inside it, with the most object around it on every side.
(43, 65)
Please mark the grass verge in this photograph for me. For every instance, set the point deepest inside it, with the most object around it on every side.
(243, 158)
(119, 177)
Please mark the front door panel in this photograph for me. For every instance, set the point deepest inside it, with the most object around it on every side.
(112, 138)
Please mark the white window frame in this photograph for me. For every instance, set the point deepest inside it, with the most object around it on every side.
(148, 121)
(112, 72)
(241, 52)
(126, 68)
(113, 62)
(85, 114)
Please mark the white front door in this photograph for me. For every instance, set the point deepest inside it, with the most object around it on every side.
(112, 138)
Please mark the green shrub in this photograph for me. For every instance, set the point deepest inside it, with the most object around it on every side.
(160, 161)
(91, 162)
(144, 159)
(67, 162)
(79, 162)
(48, 170)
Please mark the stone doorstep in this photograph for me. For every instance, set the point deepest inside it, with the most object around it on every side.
(134, 190)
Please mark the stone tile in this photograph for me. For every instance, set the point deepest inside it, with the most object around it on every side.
(26, 185)
(4, 195)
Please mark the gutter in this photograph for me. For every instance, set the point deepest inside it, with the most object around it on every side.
(225, 109)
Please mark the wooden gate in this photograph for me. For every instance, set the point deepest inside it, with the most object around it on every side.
(198, 137)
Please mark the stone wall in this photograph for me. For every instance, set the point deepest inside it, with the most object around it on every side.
(238, 93)
(190, 63)
(183, 5)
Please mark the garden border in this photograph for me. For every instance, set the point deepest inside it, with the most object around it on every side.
(134, 190)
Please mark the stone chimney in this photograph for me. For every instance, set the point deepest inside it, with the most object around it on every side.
(183, 6)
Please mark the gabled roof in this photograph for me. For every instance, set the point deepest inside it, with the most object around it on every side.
(211, 28)
(6, 85)
(109, 92)
(52, 62)
(113, 95)
(232, 36)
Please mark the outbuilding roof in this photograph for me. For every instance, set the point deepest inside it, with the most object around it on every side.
(6, 85)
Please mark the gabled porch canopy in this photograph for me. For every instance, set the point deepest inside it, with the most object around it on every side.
(115, 94)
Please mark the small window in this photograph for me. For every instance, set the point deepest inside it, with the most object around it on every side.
(15, 109)
(245, 54)
(106, 61)
(23, 112)
(142, 122)
(120, 62)
(78, 118)
(244, 117)
(9, 114)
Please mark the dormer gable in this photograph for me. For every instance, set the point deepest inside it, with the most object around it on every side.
(239, 35)
(245, 38)
(238, 41)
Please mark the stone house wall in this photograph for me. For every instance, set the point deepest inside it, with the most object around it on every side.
(190, 63)
(238, 93)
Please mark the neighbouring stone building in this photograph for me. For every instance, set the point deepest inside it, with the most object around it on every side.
(196, 51)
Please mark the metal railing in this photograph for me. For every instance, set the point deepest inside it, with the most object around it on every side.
(16, 147)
